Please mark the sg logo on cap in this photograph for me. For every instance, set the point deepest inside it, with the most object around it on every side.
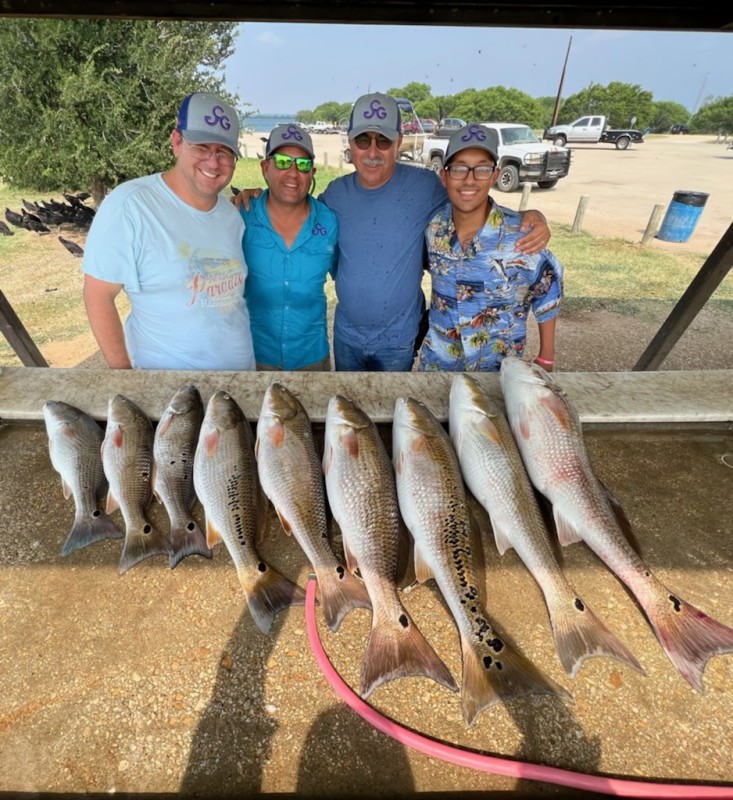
(376, 109)
(293, 133)
(474, 132)
(218, 118)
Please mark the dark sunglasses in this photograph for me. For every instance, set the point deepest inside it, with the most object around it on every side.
(364, 141)
(283, 161)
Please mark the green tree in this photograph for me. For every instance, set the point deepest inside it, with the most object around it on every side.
(498, 104)
(716, 116)
(332, 112)
(666, 114)
(90, 103)
(619, 102)
(414, 92)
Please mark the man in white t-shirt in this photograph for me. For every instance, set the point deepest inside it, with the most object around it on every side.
(174, 245)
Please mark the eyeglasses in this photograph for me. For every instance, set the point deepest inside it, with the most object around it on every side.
(364, 141)
(283, 161)
(482, 172)
(202, 153)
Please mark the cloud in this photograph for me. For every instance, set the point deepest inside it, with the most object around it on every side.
(270, 39)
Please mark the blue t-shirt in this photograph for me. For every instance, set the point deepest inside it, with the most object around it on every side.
(482, 296)
(183, 272)
(284, 288)
(381, 245)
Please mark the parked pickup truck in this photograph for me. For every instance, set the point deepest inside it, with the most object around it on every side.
(592, 129)
(523, 158)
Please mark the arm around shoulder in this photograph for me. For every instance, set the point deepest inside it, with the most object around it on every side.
(538, 232)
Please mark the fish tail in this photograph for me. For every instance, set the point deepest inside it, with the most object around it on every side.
(187, 540)
(89, 529)
(397, 649)
(142, 543)
(580, 634)
(340, 593)
(268, 592)
(690, 637)
(494, 676)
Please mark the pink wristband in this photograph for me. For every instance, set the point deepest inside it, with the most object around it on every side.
(545, 361)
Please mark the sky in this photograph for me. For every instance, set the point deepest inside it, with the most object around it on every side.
(282, 68)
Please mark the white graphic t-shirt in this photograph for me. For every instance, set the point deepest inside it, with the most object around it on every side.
(183, 271)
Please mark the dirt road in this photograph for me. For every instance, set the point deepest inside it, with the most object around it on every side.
(622, 186)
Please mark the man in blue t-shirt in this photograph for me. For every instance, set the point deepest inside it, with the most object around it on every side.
(382, 211)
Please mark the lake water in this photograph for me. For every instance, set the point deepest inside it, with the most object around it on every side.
(264, 124)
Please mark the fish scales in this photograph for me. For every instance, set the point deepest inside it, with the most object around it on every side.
(74, 444)
(290, 472)
(493, 470)
(548, 432)
(433, 504)
(362, 495)
(226, 482)
(127, 456)
(174, 445)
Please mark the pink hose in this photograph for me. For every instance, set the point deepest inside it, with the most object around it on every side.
(484, 763)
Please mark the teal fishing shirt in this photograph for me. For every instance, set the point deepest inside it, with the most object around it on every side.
(285, 287)
(482, 297)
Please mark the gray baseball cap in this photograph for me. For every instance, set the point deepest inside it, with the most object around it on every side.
(378, 113)
(473, 136)
(289, 135)
(204, 118)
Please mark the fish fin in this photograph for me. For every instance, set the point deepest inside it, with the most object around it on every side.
(405, 572)
(66, 489)
(623, 521)
(210, 442)
(689, 637)
(164, 424)
(487, 428)
(558, 408)
(567, 533)
(351, 563)
(502, 539)
(276, 433)
(580, 634)
(95, 527)
(142, 544)
(286, 526)
(340, 593)
(350, 442)
(268, 592)
(112, 503)
(117, 437)
(492, 675)
(187, 540)
(397, 649)
(327, 458)
(423, 570)
(213, 537)
(523, 421)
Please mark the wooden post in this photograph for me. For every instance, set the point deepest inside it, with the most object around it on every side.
(244, 151)
(18, 337)
(325, 158)
(580, 213)
(652, 226)
(526, 191)
(341, 164)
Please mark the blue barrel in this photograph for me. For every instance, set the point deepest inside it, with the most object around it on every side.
(682, 215)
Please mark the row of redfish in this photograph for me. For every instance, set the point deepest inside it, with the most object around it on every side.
(372, 500)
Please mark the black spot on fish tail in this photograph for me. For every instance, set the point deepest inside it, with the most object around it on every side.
(143, 544)
(675, 602)
(262, 567)
(578, 603)
(187, 540)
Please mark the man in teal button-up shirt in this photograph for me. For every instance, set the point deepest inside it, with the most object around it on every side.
(290, 246)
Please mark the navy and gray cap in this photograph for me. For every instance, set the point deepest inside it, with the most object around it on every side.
(375, 113)
(473, 136)
(289, 135)
(205, 118)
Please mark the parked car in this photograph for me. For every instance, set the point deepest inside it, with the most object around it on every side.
(679, 128)
(450, 125)
(429, 125)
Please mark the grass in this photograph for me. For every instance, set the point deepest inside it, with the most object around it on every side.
(43, 281)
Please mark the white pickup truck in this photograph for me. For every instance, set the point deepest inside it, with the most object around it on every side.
(592, 129)
(523, 158)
